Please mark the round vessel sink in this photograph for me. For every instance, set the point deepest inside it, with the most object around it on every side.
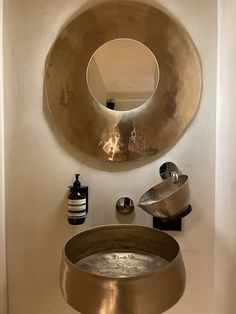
(167, 199)
(122, 269)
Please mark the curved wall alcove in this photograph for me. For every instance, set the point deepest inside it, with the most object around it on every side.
(40, 165)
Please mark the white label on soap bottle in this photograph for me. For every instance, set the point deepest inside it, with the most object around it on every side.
(76, 208)
(76, 215)
(77, 202)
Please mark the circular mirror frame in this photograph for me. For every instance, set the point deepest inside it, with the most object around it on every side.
(116, 135)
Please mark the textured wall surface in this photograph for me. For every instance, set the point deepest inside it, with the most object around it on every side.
(225, 283)
(2, 183)
(40, 165)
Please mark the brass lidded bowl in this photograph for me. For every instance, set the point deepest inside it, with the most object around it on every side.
(118, 269)
(167, 199)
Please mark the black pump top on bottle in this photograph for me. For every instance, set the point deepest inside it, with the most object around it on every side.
(77, 183)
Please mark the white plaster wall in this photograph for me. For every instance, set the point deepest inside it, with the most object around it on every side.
(39, 167)
(2, 181)
(225, 283)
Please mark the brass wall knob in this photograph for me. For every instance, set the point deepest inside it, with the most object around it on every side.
(125, 206)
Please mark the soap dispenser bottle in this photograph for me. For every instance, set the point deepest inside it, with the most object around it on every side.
(77, 203)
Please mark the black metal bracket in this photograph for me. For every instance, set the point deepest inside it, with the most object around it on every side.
(171, 224)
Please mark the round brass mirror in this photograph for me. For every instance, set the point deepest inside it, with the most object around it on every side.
(152, 125)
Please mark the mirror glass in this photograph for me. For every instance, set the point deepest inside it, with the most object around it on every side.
(122, 74)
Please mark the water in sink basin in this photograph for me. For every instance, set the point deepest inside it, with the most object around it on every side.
(121, 264)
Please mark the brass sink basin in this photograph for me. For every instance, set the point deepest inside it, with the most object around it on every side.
(122, 269)
(167, 199)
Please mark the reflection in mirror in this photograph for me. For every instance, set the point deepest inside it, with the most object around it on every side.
(122, 74)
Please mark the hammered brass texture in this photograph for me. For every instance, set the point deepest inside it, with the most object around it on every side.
(167, 199)
(122, 136)
(151, 293)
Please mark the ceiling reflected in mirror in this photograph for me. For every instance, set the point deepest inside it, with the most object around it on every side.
(122, 74)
